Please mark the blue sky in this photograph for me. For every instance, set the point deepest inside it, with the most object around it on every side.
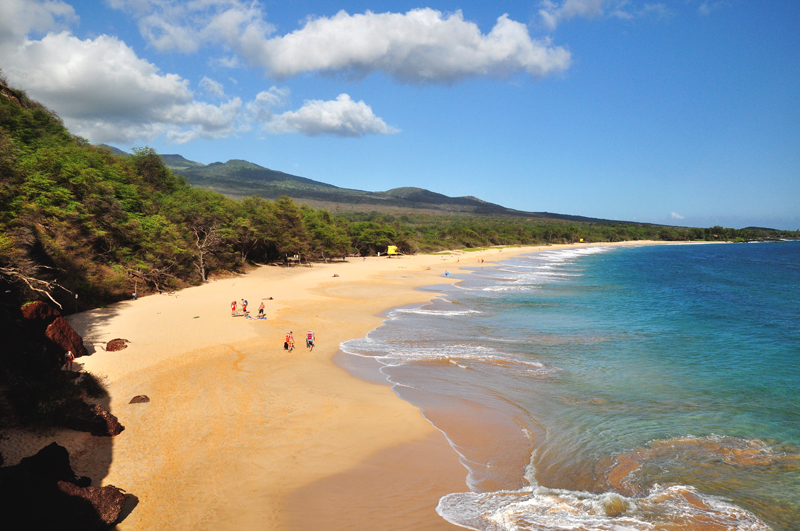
(682, 112)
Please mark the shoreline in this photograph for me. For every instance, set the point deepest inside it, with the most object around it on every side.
(240, 433)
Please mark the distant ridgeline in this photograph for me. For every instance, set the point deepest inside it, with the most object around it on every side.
(87, 225)
(239, 178)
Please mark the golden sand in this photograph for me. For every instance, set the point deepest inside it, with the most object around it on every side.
(240, 434)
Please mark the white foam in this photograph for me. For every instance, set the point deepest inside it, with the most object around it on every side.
(543, 509)
(444, 313)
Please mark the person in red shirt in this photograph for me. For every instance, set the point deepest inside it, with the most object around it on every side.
(310, 340)
(289, 344)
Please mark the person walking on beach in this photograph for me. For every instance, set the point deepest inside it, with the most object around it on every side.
(69, 357)
(244, 307)
(310, 340)
(233, 308)
(289, 343)
(261, 311)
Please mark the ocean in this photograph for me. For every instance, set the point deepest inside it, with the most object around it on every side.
(612, 388)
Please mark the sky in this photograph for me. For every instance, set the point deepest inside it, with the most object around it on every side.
(678, 112)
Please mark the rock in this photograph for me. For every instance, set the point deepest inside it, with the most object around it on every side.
(117, 344)
(62, 334)
(139, 399)
(92, 418)
(42, 492)
(39, 311)
(107, 502)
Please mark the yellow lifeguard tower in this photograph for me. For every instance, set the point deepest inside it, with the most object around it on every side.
(392, 251)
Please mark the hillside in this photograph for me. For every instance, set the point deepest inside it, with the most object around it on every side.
(239, 178)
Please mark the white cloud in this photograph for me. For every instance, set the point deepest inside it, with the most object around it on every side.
(178, 25)
(212, 87)
(340, 117)
(260, 109)
(675, 215)
(420, 46)
(104, 92)
(20, 17)
(553, 14)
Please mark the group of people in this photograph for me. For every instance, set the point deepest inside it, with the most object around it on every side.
(289, 343)
(261, 313)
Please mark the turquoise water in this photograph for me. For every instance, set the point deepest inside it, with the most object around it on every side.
(613, 388)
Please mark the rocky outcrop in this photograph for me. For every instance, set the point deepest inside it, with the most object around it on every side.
(92, 418)
(26, 346)
(62, 334)
(43, 492)
(117, 344)
(140, 399)
(39, 311)
(106, 502)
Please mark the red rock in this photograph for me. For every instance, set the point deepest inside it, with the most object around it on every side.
(93, 418)
(107, 501)
(40, 311)
(138, 399)
(62, 334)
(117, 344)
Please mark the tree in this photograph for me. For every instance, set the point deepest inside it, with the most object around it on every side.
(326, 236)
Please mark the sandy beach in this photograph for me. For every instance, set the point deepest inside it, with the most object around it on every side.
(241, 434)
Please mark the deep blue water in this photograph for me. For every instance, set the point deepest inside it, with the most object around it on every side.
(653, 387)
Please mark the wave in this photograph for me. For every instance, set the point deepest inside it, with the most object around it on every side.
(444, 313)
(674, 507)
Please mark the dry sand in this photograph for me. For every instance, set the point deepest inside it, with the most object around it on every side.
(239, 433)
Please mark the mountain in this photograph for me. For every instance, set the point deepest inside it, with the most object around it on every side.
(239, 178)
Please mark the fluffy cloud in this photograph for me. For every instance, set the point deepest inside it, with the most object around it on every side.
(212, 87)
(420, 46)
(106, 93)
(340, 117)
(675, 215)
(260, 109)
(20, 17)
(178, 25)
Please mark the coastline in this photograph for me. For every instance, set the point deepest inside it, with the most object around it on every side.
(240, 433)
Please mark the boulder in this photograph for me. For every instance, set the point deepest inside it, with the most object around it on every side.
(92, 418)
(140, 399)
(62, 334)
(106, 502)
(117, 344)
(42, 492)
(39, 311)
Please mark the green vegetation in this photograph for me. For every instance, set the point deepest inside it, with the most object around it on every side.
(79, 219)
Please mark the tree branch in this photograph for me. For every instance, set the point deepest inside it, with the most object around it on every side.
(12, 273)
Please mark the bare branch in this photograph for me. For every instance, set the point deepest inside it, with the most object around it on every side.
(13, 273)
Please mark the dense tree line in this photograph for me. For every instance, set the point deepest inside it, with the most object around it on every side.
(75, 219)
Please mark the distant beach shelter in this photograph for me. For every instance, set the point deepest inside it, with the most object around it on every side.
(392, 251)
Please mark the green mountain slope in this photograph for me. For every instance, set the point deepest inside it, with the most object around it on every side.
(239, 178)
